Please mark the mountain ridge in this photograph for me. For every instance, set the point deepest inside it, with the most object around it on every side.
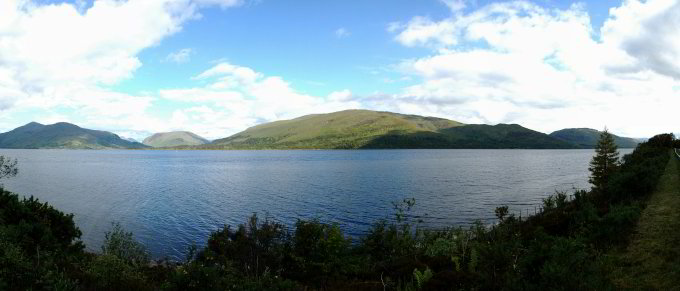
(62, 135)
(588, 137)
(365, 129)
(347, 129)
(174, 139)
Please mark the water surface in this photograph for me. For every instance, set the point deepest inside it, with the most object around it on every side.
(171, 199)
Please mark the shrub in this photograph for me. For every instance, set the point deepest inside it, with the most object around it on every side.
(110, 272)
(122, 245)
(254, 249)
(320, 253)
(37, 244)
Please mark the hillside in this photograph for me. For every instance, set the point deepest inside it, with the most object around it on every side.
(174, 138)
(62, 135)
(508, 136)
(354, 129)
(587, 138)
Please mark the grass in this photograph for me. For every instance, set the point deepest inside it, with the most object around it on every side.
(652, 258)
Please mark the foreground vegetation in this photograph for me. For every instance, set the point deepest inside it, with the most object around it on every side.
(566, 246)
(651, 259)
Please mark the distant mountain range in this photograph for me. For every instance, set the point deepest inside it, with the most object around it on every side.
(63, 135)
(587, 138)
(349, 129)
(364, 129)
(173, 139)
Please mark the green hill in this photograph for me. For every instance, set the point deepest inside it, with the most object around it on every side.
(64, 136)
(175, 138)
(587, 138)
(354, 129)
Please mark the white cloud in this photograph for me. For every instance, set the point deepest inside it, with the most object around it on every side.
(230, 75)
(516, 62)
(65, 55)
(237, 97)
(342, 32)
(650, 33)
(180, 56)
(512, 62)
(423, 31)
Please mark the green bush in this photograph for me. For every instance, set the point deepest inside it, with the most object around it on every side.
(320, 253)
(122, 245)
(15, 267)
(253, 249)
(110, 272)
(37, 244)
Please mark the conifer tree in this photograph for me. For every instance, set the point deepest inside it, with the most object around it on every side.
(605, 162)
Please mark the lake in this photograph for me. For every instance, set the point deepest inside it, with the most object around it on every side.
(171, 199)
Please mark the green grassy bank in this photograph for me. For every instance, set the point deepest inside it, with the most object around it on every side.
(652, 258)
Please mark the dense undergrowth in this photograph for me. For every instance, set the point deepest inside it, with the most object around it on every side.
(561, 248)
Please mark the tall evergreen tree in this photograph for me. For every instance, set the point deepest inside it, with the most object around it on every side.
(605, 162)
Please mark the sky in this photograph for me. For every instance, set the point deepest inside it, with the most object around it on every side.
(217, 67)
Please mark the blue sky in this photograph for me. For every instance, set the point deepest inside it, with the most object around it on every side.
(300, 42)
(296, 41)
(216, 67)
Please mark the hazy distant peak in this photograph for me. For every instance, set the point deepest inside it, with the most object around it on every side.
(174, 138)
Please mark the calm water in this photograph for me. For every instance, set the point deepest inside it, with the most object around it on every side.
(171, 199)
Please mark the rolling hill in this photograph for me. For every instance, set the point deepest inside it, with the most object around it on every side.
(63, 135)
(173, 139)
(364, 129)
(587, 138)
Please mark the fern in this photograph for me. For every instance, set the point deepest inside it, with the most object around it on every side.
(422, 277)
(456, 261)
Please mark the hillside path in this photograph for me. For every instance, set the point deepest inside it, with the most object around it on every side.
(652, 259)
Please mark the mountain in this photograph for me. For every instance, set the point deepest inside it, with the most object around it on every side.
(503, 136)
(354, 129)
(587, 138)
(63, 135)
(175, 138)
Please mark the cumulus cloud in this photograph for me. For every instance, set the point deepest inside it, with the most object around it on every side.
(66, 55)
(649, 32)
(236, 97)
(180, 56)
(423, 31)
(517, 62)
(510, 62)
